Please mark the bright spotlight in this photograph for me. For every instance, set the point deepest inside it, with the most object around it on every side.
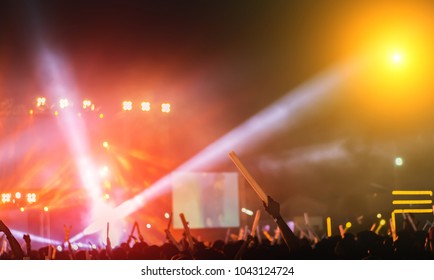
(31, 197)
(31, 112)
(105, 144)
(399, 161)
(396, 58)
(17, 195)
(63, 103)
(56, 113)
(166, 215)
(40, 101)
(87, 103)
(148, 226)
(379, 215)
(146, 106)
(22, 209)
(45, 209)
(104, 171)
(165, 107)
(127, 105)
(101, 116)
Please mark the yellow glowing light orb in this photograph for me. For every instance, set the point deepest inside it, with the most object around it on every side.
(399, 161)
(379, 215)
(383, 222)
(105, 144)
(396, 58)
(348, 225)
(46, 209)
(22, 209)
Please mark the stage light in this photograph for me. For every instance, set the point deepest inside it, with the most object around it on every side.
(86, 103)
(104, 171)
(399, 161)
(101, 116)
(22, 209)
(148, 226)
(56, 113)
(165, 107)
(31, 197)
(127, 105)
(17, 195)
(396, 58)
(106, 196)
(40, 101)
(31, 112)
(105, 144)
(59, 248)
(6, 197)
(166, 215)
(146, 106)
(379, 215)
(63, 103)
(45, 209)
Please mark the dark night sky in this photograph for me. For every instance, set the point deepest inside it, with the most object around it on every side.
(222, 62)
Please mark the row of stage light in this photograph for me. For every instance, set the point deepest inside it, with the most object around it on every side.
(127, 105)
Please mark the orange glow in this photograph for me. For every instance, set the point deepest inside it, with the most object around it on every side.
(31, 112)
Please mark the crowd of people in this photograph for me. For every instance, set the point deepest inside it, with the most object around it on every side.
(407, 244)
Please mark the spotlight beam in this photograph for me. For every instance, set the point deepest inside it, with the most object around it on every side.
(284, 113)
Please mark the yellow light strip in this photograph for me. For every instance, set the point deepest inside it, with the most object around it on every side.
(416, 211)
(426, 201)
(397, 192)
(413, 211)
(329, 226)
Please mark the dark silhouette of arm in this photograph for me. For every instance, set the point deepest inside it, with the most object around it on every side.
(16, 248)
(273, 208)
(26, 238)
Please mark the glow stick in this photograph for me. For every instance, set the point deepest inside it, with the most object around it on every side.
(342, 231)
(259, 191)
(255, 222)
(187, 231)
(267, 235)
(259, 236)
(173, 240)
(329, 226)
